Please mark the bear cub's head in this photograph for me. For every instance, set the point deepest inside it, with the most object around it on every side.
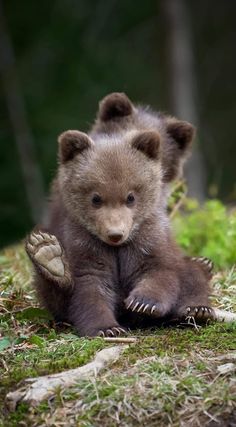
(116, 112)
(110, 185)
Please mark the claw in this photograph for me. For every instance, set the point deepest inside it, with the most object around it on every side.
(128, 306)
(40, 238)
(209, 264)
(33, 239)
(117, 330)
(135, 306)
(36, 236)
(145, 308)
(45, 236)
(196, 310)
(50, 236)
(101, 334)
(188, 310)
(153, 309)
(110, 331)
(204, 260)
(30, 247)
(140, 308)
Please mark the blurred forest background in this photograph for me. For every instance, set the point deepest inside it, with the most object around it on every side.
(58, 58)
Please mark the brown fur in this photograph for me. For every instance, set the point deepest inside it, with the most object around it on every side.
(120, 252)
(176, 135)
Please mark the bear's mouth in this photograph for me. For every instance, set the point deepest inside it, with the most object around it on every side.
(115, 242)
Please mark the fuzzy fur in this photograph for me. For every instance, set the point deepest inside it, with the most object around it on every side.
(122, 266)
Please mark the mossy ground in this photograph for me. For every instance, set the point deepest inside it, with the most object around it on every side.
(169, 377)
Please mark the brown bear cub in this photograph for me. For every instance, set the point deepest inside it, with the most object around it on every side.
(106, 259)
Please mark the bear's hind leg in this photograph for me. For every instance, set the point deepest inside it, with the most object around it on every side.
(49, 258)
(54, 298)
(200, 313)
(206, 264)
(52, 278)
(194, 297)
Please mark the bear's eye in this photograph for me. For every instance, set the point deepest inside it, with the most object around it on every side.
(96, 200)
(130, 200)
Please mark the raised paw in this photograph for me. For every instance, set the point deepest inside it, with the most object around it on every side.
(144, 305)
(46, 250)
(200, 312)
(206, 263)
(46, 253)
(114, 331)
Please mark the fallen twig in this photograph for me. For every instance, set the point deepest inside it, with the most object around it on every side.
(224, 316)
(41, 388)
(120, 340)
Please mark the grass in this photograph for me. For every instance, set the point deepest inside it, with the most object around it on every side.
(169, 377)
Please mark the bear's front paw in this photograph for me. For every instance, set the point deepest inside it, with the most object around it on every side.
(114, 331)
(145, 305)
(200, 313)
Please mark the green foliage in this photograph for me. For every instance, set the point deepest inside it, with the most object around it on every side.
(207, 231)
(65, 63)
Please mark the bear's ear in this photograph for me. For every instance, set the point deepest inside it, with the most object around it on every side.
(181, 132)
(115, 105)
(148, 142)
(71, 143)
(179, 138)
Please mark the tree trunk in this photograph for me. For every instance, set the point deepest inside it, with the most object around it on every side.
(18, 118)
(180, 59)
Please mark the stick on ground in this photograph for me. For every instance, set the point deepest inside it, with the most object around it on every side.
(41, 388)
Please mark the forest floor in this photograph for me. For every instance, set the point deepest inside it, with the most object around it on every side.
(169, 377)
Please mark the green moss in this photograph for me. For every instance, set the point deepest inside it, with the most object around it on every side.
(171, 341)
(54, 357)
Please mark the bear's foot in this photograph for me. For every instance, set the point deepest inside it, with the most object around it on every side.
(201, 312)
(114, 331)
(206, 263)
(145, 305)
(48, 257)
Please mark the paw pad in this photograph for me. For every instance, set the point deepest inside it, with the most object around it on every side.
(46, 250)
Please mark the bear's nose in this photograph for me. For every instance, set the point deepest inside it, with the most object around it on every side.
(115, 237)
